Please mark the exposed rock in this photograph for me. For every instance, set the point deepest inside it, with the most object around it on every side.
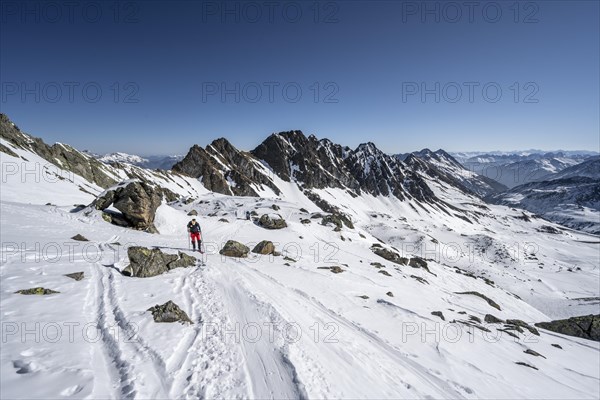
(522, 324)
(136, 200)
(533, 353)
(384, 272)
(144, 262)
(169, 312)
(221, 163)
(390, 294)
(438, 314)
(286, 258)
(586, 327)
(265, 247)
(489, 301)
(525, 364)
(475, 319)
(389, 255)
(419, 279)
(377, 265)
(275, 207)
(272, 222)
(335, 269)
(80, 238)
(558, 346)
(193, 213)
(490, 319)
(364, 296)
(418, 262)
(234, 249)
(305, 221)
(76, 275)
(225, 220)
(40, 291)
(338, 220)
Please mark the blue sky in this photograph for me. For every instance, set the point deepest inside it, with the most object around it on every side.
(156, 77)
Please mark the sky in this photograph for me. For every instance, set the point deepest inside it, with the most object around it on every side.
(154, 77)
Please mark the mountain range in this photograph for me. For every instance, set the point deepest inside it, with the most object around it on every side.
(327, 272)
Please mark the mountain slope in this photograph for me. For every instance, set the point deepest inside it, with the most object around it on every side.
(570, 197)
(442, 165)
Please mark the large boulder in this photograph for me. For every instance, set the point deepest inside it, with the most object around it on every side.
(234, 249)
(144, 262)
(169, 312)
(587, 327)
(265, 247)
(136, 200)
(272, 221)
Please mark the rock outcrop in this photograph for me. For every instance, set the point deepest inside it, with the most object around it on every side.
(136, 200)
(586, 327)
(144, 262)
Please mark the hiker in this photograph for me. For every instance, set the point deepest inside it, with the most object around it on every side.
(248, 215)
(193, 228)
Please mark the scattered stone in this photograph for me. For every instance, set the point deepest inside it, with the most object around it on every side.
(525, 364)
(272, 222)
(145, 262)
(509, 333)
(335, 269)
(389, 255)
(377, 265)
(533, 353)
(169, 312)
(225, 220)
(549, 229)
(558, 346)
(384, 272)
(304, 210)
(338, 220)
(40, 291)
(275, 207)
(490, 319)
(390, 294)
(234, 249)
(364, 296)
(474, 319)
(75, 275)
(193, 213)
(305, 221)
(265, 247)
(523, 324)
(286, 258)
(80, 238)
(420, 280)
(491, 302)
(438, 314)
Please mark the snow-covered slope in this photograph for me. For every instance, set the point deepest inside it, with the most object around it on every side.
(286, 326)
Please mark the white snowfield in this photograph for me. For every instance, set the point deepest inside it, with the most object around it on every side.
(275, 327)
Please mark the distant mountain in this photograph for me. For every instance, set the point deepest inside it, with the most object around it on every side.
(443, 166)
(150, 162)
(570, 197)
(515, 169)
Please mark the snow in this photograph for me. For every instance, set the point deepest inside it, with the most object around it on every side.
(268, 327)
